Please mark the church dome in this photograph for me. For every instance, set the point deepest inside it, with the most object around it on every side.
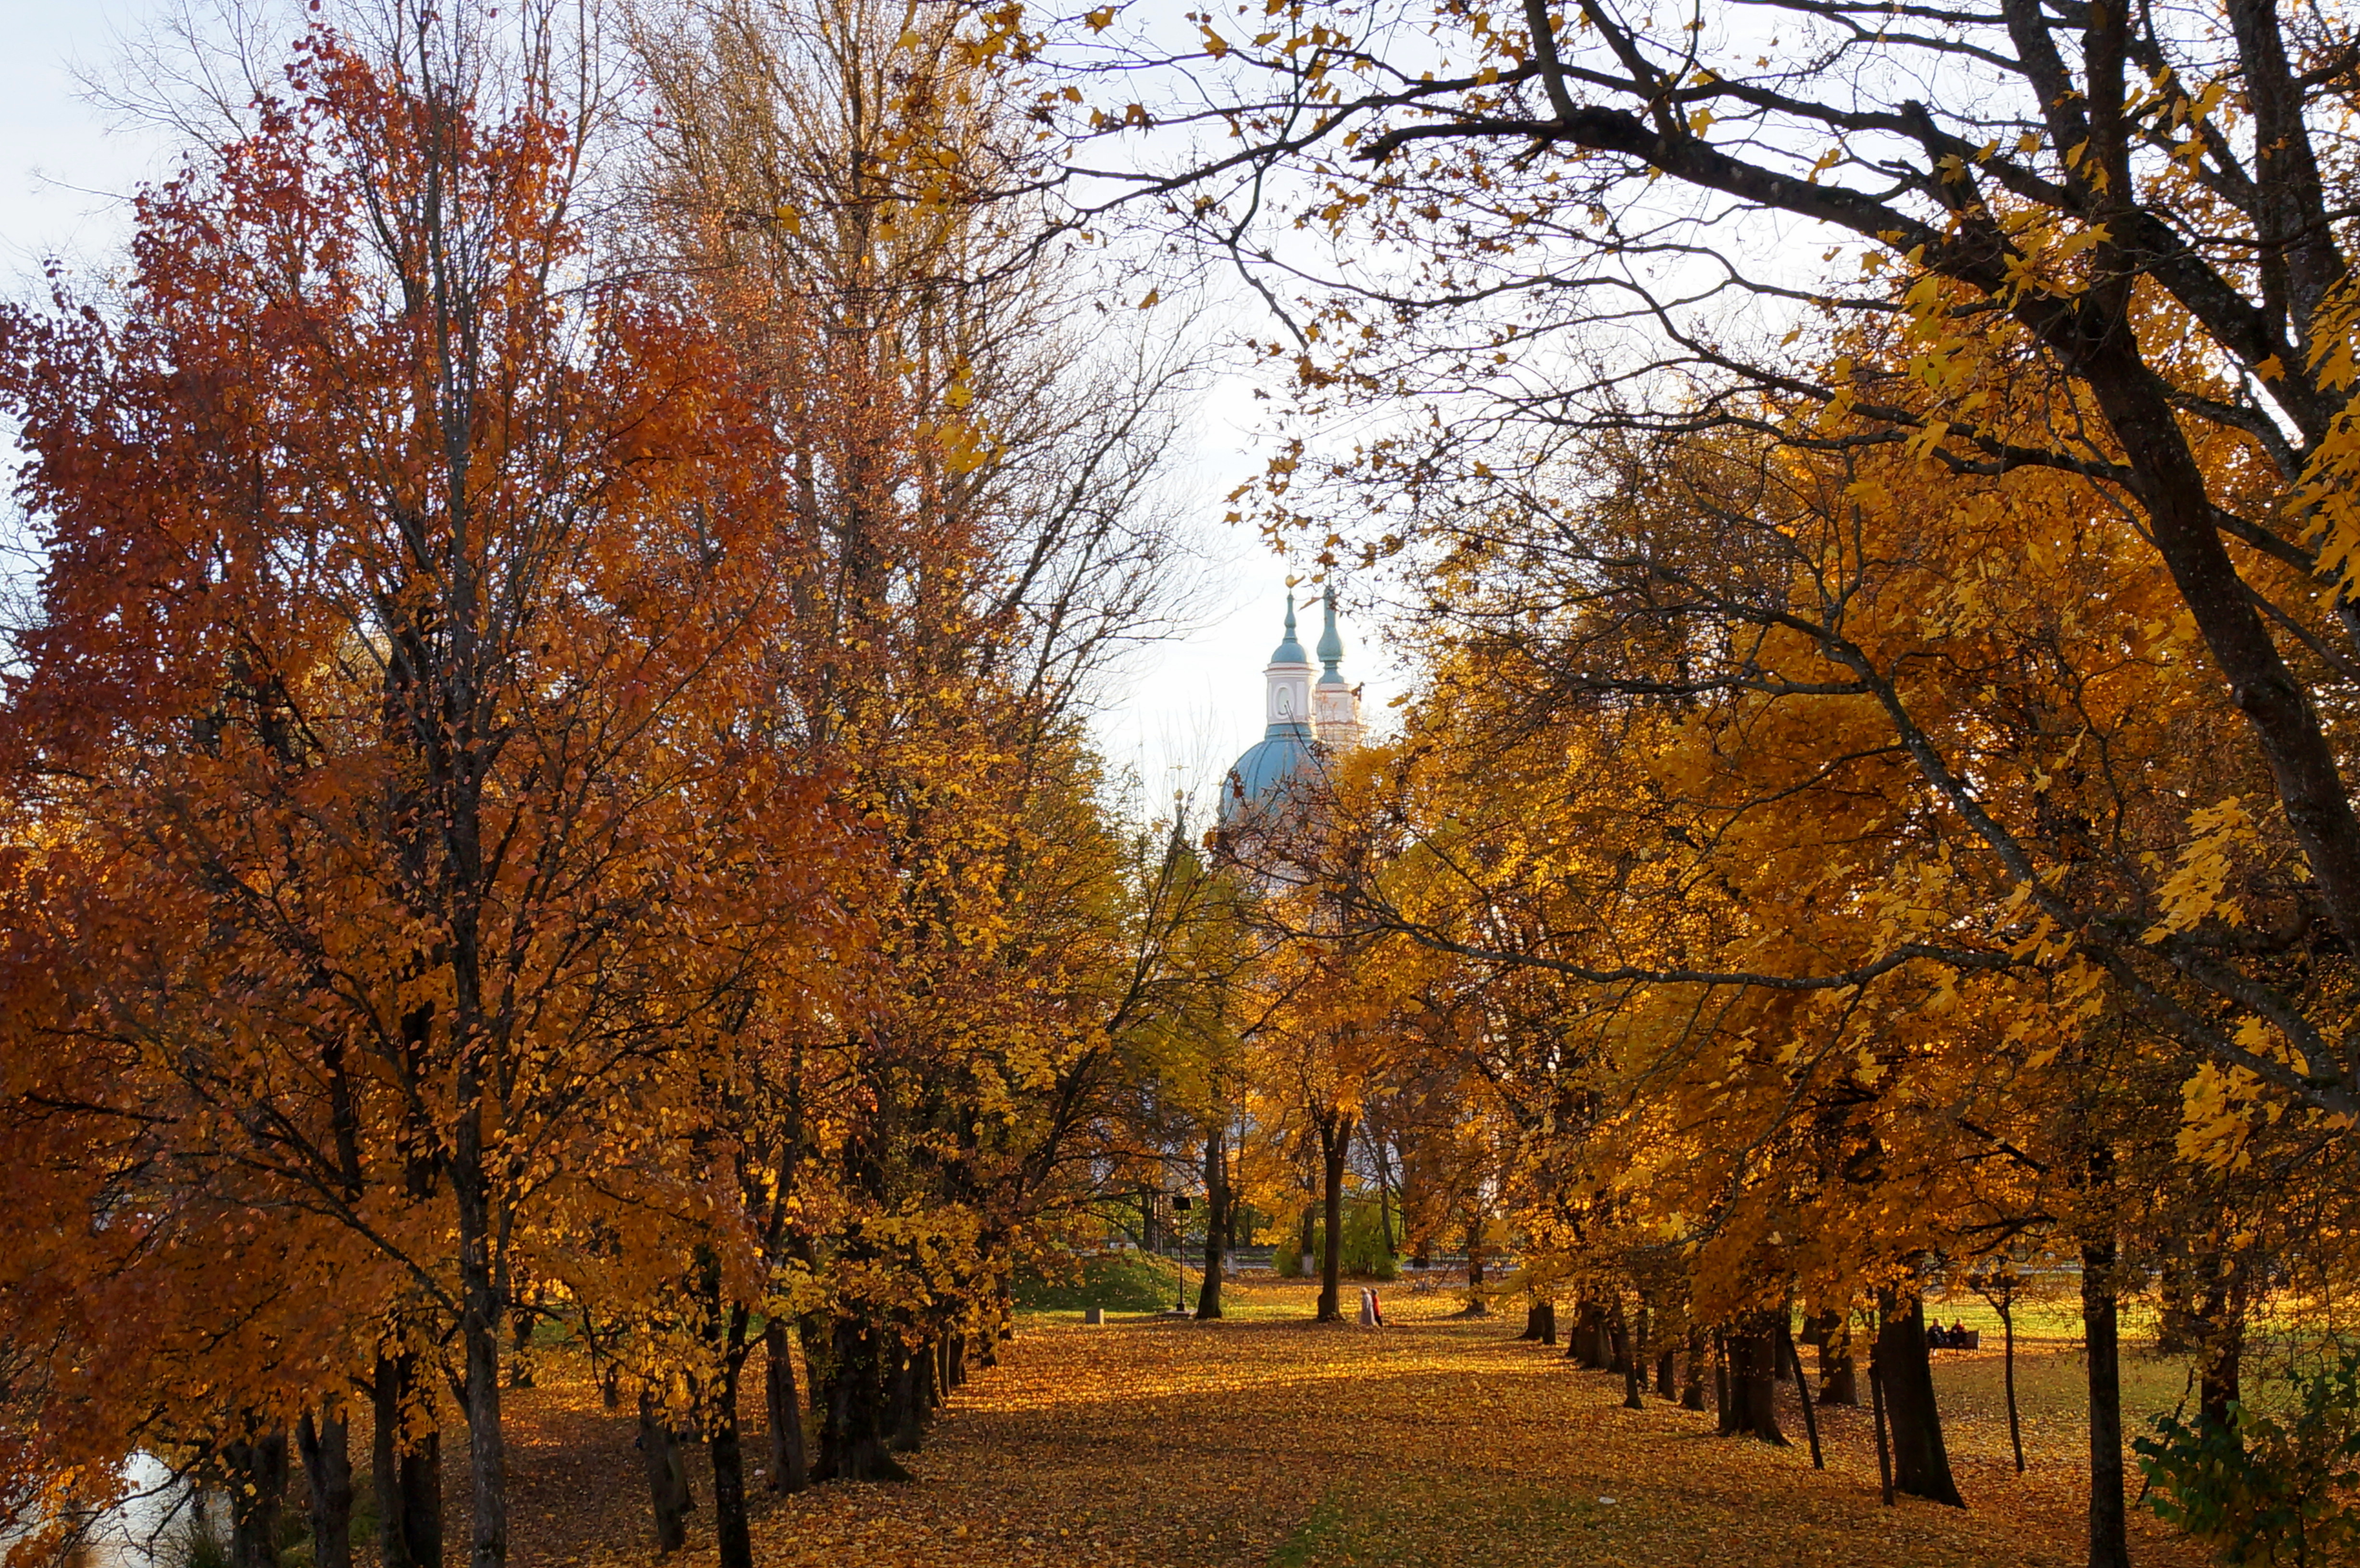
(1301, 721)
(1284, 753)
(1266, 768)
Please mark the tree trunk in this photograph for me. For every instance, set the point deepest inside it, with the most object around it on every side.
(790, 1468)
(914, 1398)
(1384, 1190)
(1802, 1391)
(521, 1348)
(1216, 1219)
(1884, 1450)
(1752, 1404)
(2221, 1355)
(483, 1311)
(1921, 1467)
(257, 1491)
(852, 1426)
(1335, 1143)
(2109, 1537)
(406, 1476)
(1666, 1387)
(1628, 1351)
(1586, 1345)
(1724, 1413)
(732, 1537)
(1475, 1264)
(328, 1475)
(1692, 1396)
(2007, 1365)
(1839, 1377)
(667, 1475)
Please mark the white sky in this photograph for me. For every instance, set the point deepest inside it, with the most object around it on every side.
(1177, 714)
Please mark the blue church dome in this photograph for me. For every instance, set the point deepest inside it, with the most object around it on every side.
(1282, 755)
(1285, 751)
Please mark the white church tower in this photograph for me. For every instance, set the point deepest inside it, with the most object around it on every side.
(1335, 702)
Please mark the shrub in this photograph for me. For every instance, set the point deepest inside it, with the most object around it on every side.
(1118, 1281)
(2266, 1490)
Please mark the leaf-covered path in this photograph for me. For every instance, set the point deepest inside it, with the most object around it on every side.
(1268, 1439)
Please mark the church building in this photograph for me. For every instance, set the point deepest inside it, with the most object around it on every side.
(1305, 720)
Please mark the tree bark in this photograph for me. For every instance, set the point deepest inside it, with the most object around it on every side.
(1216, 1218)
(520, 1322)
(667, 1475)
(1628, 1351)
(2109, 1529)
(914, 1399)
(258, 1491)
(1665, 1374)
(406, 1476)
(1922, 1465)
(1839, 1377)
(2220, 1353)
(853, 1428)
(1692, 1395)
(483, 1311)
(1335, 1144)
(1751, 1407)
(1802, 1391)
(789, 1466)
(328, 1476)
(1884, 1449)
(2007, 1366)
(732, 1535)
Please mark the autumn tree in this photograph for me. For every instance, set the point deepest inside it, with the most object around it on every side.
(2134, 215)
(394, 570)
(975, 533)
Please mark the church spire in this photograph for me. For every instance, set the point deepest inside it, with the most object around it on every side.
(1288, 676)
(1290, 651)
(1335, 702)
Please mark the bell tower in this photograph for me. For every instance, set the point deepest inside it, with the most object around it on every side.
(1335, 705)
(1287, 707)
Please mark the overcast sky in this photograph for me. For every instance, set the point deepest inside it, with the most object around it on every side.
(1178, 713)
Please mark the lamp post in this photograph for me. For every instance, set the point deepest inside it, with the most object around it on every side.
(1180, 1251)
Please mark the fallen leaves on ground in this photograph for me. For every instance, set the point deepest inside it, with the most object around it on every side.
(1269, 1440)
